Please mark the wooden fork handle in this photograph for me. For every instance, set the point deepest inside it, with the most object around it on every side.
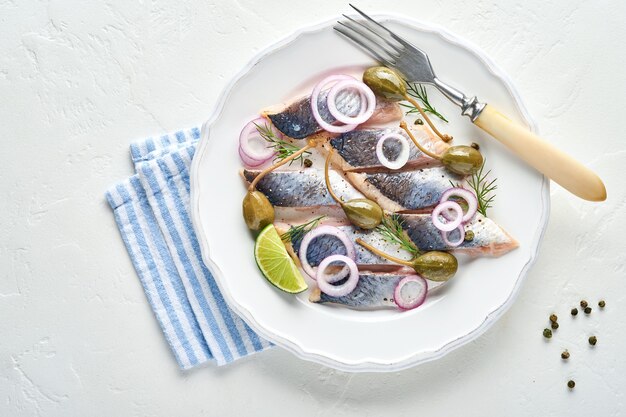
(541, 155)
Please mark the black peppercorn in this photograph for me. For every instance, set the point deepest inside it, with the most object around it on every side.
(601, 304)
(593, 340)
(554, 325)
(553, 318)
(565, 354)
(587, 310)
(574, 311)
(571, 384)
(308, 163)
(583, 304)
(547, 333)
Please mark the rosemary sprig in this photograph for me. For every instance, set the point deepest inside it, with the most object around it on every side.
(419, 92)
(393, 232)
(296, 233)
(283, 149)
(483, 188)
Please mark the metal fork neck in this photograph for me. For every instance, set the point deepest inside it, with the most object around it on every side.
(470, 106)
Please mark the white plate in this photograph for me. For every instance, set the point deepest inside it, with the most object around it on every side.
(346, 339)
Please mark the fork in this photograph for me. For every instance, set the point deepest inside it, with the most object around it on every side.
(414, 66)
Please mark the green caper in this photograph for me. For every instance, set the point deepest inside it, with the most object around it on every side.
(363, 213)
(462, 159)
(385, 82)
(436, 266)
(258, 212)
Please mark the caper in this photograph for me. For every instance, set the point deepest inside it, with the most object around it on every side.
(363, 213)
(469, 236)
(258, 212)
(436, 266)
(462, 159)
(385, 82)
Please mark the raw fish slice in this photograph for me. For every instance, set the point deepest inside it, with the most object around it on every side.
(297, 121)
(372, 291)
(302, 188)
(402, 191)
(356, 150)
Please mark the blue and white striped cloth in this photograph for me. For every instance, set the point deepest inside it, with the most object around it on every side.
(152, 212)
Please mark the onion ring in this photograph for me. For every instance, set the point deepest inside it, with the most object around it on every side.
(323, 280)
(244, 141)
(452, 224)
(320, 231)
(401, 160)
(367, 108)
(408, 304)
(454, 244)
(315, 106)
(467, 195)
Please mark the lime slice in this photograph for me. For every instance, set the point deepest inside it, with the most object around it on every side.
(275, 263)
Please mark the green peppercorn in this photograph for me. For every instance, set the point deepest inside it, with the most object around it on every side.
(547, 333)
(574, 311)
(553, 318)
(583, 304)
(475, 146)
(469, 236)
(419, 121)
(554, 325)
(571, 384)
(588, 310)
(308, 163)
(565, 354)
(601, 304)
(593, 340)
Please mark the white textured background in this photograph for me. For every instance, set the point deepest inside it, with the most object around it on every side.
(79, 80)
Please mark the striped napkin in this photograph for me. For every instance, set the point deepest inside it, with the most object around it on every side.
(152, 211)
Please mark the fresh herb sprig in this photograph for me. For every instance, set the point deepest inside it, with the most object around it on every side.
(283, 149)
(419, 92)
(393, 232)
(484, 188)
(296, 233)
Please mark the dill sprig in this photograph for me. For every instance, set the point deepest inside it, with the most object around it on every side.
(483, 188)
(393, 232)
(296, 233)
(418, 92)
(283, 149)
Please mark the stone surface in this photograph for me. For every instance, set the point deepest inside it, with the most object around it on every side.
(79, 80)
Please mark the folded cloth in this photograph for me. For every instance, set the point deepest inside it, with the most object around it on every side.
(153, 215)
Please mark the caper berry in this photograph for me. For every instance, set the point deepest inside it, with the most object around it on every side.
(593, 340)
(553, 318)
(565, 354)
(574, 311)
(308, 163)
(385, 82)
(436, 266)
(601, 304)
(258, 212)
(554, 325)
(547, 333)
(571, 384)
(588, 310)
(462, 159)
(583, 304)
(363, 213)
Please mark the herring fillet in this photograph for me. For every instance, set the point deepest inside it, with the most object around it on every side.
(296, 119)
(356, 150)
(302, 188)
(372, 291)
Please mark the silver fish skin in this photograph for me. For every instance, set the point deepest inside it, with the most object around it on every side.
(372, 291)
(302, 188)
(402, 191)
(489, 238)
(297, 121)
(356, 150)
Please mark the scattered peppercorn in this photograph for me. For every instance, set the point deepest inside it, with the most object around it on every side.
(565, 354)
(308, 163)
(574, 311)
(469, 236)
(601, 304)
(475, 146)
(547, 333)
(583, 304)
(553, 318)
(571, 384)
(419, 121)
(588, 310)
(593, 340)
(554, 325)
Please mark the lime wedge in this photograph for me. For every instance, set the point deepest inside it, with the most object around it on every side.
(275, 263)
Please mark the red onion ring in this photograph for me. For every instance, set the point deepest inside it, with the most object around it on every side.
(452, 224)
(454, 244)
(320, 231)
(249, 162)
(467, 195)
(315, 107)
(367, 108)
(323, 280)
(244, 141)
(402, 159)
(409, 304)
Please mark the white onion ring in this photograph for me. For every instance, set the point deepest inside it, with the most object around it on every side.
(418, 301)
(249, 162)
(323, 280)
(320, 231)
(452, 224)
(401, 160)
(315, 108)
(367, 108)
(454, 244)
(246, 133)
(468, 196)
